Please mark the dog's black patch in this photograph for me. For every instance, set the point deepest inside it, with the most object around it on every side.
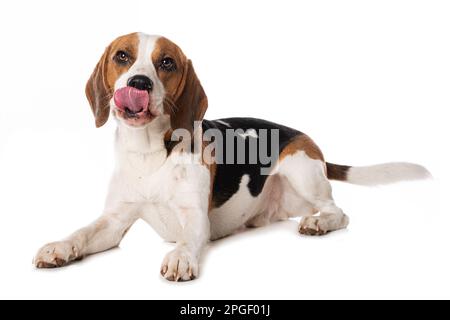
(228, 176)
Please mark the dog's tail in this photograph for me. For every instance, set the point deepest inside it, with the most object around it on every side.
(385, 173)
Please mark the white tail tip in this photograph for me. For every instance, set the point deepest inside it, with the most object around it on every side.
(386, 173)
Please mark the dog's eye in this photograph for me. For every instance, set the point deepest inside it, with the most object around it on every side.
(167, 64)
(122, 57)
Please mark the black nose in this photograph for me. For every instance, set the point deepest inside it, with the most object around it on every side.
(141, 82)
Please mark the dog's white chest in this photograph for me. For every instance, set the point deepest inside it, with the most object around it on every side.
(158, 188)
(148, 183)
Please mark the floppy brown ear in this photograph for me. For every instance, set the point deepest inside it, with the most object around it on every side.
(98, 92)
(192, 102)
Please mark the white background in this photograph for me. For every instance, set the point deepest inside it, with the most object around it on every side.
(368, 80)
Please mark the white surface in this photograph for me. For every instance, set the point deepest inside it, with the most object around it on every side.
(369, 81)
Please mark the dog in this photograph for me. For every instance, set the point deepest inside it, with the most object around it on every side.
(150, 87)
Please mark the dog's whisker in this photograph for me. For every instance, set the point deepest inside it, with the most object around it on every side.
(173, 107)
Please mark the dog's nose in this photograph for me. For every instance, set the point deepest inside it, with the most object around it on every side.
(141, 82)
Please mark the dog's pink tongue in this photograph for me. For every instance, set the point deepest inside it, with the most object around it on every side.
(131, 98)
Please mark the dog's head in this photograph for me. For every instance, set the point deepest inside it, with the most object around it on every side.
(141, 77)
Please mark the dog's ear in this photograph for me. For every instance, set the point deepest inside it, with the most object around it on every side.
(191, 103)
(98, 92)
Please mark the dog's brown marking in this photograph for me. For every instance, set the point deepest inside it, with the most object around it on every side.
(302, 143)
(173, 81)
(185, 99)
(212, 174)
(100, 86)
(337, 172)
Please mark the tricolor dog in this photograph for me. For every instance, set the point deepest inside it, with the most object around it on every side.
(186, 194)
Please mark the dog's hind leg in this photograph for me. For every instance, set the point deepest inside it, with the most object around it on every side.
(307, 178)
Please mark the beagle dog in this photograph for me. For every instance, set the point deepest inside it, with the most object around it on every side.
(189, 196)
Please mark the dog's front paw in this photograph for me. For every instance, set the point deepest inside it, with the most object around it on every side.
(56, 254)
(179, 265)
